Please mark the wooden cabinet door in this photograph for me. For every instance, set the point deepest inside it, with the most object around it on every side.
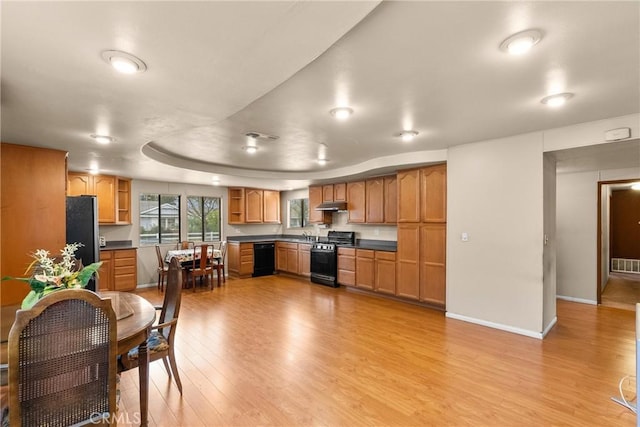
(356, 204)
(315, 198)
(365, 268)
(125, 277)
(236, 206)
(79, 184)
(390, 199)
(105, 273)
(409, 196)
(340, 192)
(374, 200)
(434, 193)
(347, 266)
(385, 277)
(123, 206)
(105, 190)
(292, 260)
(271, 206)
(408, 274)
(246, 259)
(432, 263)
(233, 258)
(327, 193)
(253, 205)
(304, 260)
(281, 257)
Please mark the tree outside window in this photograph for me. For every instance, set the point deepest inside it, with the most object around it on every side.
(298, 213)
(203, 218)
(159, 218)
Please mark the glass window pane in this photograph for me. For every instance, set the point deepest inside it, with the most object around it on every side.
(194, 218)
(169, 218)
(211, 214)
(149, 230)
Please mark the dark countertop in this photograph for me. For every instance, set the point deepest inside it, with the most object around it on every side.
(378, 245)
(115, 245)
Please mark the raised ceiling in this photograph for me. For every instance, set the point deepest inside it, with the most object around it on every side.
(217, 70)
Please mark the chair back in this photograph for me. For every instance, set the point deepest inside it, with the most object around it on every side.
(172, 298)
(186, 245)
(202, 262)
(223, 250)
(62, 361)
(159, 255)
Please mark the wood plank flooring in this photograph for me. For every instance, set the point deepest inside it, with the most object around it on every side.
(622, 291)
(277, 351)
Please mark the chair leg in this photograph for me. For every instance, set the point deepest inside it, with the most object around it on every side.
(166, 366)
(174, 368)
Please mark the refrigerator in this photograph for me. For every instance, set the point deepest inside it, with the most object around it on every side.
(82, 227)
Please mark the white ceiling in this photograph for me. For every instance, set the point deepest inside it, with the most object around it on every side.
(217, 70)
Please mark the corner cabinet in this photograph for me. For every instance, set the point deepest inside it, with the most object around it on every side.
(113, 195)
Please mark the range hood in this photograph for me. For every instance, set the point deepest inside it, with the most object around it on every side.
(332, 206)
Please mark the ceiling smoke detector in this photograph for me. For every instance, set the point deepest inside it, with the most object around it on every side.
(258, 135)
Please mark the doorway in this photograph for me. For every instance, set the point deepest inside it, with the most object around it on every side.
(618, 244)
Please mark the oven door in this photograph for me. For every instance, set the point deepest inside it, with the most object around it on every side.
(324, 267)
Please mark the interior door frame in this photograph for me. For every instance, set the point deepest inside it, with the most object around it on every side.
(599, 232)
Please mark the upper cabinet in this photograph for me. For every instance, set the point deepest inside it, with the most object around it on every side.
(253, 206)
(374, 200)
(422, 194)
(327, 193)
(113, 195)
(409, 196)
(340, 192)
(316, 193)
(390, 199)
(356, 197)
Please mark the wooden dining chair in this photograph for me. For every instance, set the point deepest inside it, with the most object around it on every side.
(163, 269)
(218, 263)
(200, 267)
(160, 344)
(62, 361)
(185, 245)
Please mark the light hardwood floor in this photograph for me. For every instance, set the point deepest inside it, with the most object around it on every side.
(276, 351)
(622, 291)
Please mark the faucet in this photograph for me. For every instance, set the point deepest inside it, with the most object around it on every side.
(306, 235)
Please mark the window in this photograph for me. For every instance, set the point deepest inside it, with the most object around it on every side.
(298, 213)
(203, 218)
(159, 218)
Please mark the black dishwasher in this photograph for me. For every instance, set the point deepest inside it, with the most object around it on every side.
(263, 259)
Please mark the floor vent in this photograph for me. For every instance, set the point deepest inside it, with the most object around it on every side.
(625, 265)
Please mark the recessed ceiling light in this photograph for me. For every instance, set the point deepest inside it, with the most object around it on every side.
(521, 42)
(322, 162)
(636, 186)
(557, 99)
(102, 139)
(407, 135)
(251, 149)
(341, 113)
(124, 62)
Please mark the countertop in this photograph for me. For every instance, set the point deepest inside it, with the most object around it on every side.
(378, 245)
(116, 245)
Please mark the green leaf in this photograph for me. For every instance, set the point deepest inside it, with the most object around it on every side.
(28, 301)
(85, 274)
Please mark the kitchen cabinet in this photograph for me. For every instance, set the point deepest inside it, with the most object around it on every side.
(240, 259)
(390, 199)
(340, 192)
(432, 263)
(408, 195)
(118, 271)
(287, 257)
(385, 272)
(33, 185)
(327, 193)
(253, 205)
(374, 200)
(236, 206)
(112, 193)
(304, 259)
(365, 268)
(271, 206)
(356, 201)
(347, 266)
(315, 198)
(408, 284)
(433, 194)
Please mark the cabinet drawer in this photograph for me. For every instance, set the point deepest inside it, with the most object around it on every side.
(246, 252)
(287, 245)
(245, 259)
(347, 251)
(365, 253)
(125, 253)
(346, 263)
(105, 255)
(124, 262)
(125, 282)
(389, 256)
(124, 270)
(304, 247)
(347, 277)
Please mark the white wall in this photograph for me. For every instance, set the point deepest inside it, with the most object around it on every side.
(549, 257)
(495, 194)
(577, 224)
(605, 212)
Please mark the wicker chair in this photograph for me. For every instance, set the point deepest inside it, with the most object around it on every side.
(62, 361)
(160, 343)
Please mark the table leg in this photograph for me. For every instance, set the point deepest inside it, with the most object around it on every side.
(143, 371)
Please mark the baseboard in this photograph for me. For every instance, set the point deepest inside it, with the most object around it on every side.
(147, 285)
(580, 300)
(549, 326)
(499, 326)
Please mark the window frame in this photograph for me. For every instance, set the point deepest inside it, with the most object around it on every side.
(159, 217)
(304, 207)
(203, 217)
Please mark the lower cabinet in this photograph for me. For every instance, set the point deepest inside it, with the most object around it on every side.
(304, 259)
(294, 258)
(240, 259)
(118, 271)
(385, 274)
(365, 268)
(347, 266)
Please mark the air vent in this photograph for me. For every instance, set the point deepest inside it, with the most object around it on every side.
(258, 135)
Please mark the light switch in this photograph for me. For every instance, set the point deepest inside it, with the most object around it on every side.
(464, 237)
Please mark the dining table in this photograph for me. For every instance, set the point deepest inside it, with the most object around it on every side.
(185, 258)
(134, 315)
